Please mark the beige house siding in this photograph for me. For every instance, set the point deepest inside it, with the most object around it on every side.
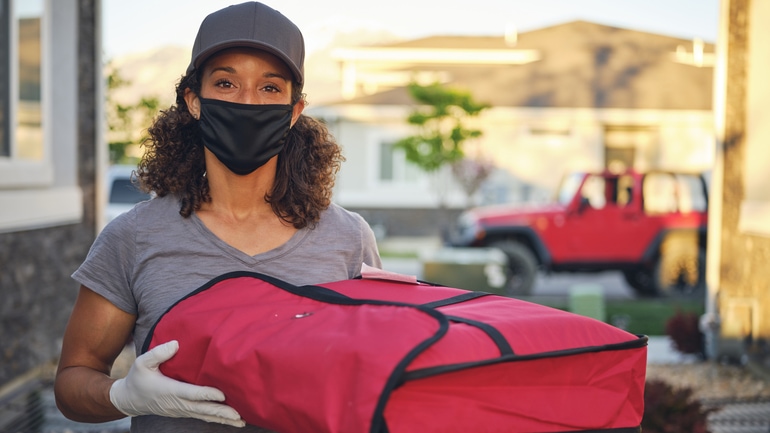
(739, 283)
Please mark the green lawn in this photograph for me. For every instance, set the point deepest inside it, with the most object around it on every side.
(638, 316)
(649, 316)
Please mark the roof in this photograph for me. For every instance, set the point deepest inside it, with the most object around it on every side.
(582, 64)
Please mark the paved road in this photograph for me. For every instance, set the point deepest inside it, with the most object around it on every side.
(546, 286)
(612, 283)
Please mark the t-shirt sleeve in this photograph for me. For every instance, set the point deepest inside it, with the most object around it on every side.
(109, 265)
(371, 254)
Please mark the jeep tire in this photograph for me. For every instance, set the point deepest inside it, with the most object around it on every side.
(522, 267)
(642, 280)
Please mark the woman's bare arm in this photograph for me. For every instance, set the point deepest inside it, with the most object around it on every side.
(96, 333)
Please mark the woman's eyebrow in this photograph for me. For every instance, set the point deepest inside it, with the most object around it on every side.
(268, 74)
(275, 75)
(228, 69)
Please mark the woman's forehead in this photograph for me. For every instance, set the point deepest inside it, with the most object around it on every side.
(240, 55)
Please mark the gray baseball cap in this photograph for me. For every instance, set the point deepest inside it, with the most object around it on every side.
(250, 24)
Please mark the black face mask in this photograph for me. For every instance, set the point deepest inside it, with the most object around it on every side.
(244, 136)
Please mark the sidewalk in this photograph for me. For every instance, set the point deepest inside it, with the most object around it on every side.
(660, 350)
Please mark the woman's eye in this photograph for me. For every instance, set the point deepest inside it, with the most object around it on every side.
(223, 83)
(271, 88)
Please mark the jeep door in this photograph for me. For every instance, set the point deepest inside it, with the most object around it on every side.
(604, 221)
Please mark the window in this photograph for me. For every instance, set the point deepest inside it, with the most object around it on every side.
(601, 191)
(594, 190)
(624, 190)
(386, 161)
(660, 193)
(39, 114)
(29, 131)
(394, 167)
(569, 185)
(628, 146)
(667, 192)
(20, 72)
(691, 193)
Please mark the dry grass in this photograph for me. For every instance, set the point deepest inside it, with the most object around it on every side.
(711, 380)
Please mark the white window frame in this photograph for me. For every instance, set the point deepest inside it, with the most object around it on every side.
(36, 194)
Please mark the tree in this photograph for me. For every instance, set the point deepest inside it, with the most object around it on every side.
(440, 121)
(127, 124)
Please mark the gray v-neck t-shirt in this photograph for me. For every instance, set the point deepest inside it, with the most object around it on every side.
(150, 257)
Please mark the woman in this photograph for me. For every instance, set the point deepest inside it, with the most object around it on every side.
(243, 182)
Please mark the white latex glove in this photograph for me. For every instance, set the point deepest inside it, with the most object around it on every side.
(146, 391)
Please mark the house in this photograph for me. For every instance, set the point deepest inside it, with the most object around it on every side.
(50, 104)
(737, 320)
(574, 96)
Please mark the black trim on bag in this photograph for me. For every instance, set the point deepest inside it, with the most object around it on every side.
(497, 337)
(322, 292)
(317, 293)
(422, 373)
(379, 425)
(637, 429)
(455, 299)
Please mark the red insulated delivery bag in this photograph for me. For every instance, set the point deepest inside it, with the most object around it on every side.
(371, 355)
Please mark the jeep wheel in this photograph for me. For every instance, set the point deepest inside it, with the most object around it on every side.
(681, 274)
(642, 281)
(521, 265)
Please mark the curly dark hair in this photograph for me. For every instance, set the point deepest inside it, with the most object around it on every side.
(173, 162)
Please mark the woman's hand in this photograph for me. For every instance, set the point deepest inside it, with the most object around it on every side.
(146, 391)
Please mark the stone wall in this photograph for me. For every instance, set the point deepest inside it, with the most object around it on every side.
(36, 291)
(36, 294)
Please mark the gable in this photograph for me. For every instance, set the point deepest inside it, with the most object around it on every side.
(581, 64)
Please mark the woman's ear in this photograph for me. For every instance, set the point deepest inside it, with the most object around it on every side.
(193, 103)
(297, 110)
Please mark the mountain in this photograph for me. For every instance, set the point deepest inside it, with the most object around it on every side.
(156, 72)
(151, 73)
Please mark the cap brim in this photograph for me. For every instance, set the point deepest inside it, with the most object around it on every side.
(204, 55)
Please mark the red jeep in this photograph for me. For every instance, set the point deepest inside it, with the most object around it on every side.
(651, 226)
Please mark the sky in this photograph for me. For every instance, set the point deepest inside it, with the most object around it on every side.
(141, 25)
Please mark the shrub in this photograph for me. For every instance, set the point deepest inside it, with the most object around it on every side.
(672, 410)
(684, 331)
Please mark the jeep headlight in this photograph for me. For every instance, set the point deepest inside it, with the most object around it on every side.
(467, 231)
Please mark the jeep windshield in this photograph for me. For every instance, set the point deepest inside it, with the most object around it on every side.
(568, 187)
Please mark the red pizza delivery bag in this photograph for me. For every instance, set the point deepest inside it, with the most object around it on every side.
(373, 355)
